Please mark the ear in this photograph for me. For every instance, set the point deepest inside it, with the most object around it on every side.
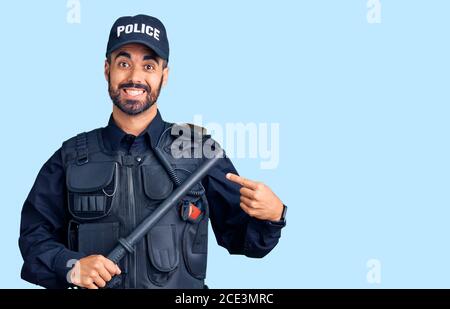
(106, 70)
(165, 76)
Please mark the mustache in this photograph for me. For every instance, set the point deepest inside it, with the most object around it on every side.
(134, 85)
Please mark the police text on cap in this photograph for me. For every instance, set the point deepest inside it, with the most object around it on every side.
(149, 30)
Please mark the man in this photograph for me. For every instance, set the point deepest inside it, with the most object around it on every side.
(99, 185)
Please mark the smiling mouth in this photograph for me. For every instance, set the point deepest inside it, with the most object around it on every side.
(133, 92)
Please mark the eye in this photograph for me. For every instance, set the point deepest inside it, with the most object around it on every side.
(123, 64)
(149, 67)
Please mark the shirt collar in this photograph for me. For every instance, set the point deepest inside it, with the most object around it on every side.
(113, 135)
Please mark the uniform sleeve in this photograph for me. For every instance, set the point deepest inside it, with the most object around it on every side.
(234, 229)
(43, 229)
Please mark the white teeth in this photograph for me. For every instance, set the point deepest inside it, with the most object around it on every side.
(134, 92)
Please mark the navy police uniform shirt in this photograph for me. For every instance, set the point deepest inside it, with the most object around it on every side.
(44, 222)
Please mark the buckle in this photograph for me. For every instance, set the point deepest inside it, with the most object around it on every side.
(82, 159)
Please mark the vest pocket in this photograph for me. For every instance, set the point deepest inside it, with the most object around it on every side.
(91, 189)
(195, 248)
(157, 185)
(162, 248)
(97, 238)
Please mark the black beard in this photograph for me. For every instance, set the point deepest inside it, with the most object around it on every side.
(134, 107)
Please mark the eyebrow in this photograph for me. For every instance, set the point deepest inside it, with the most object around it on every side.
(146, 57)
(151, 57)
(123, 54)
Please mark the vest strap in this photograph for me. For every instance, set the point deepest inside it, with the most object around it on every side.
(82, 149)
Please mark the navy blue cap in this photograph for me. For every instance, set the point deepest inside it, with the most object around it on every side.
(142, 29)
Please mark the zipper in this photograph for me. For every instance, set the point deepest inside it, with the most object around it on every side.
(132, 209)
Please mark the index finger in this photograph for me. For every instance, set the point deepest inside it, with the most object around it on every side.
(112, 268)
(242, 181)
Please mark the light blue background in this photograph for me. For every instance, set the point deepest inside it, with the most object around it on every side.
(362, 108)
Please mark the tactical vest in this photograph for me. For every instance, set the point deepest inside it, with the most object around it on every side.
(109, 193)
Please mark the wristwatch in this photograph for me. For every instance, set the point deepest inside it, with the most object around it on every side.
(283, 214)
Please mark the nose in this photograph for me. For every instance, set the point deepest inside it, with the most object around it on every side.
(136, 76)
